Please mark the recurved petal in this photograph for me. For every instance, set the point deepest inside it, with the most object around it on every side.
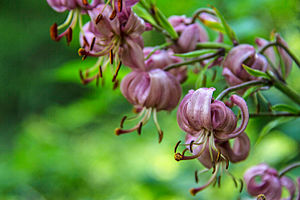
(289, 185)
(240, 150)
(188, 38)
(135, 26)
(231, 78)
(241, 103)
(198, 109)
(223, 119)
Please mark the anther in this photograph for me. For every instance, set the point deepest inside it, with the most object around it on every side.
(196, 176)
(116, 85)
(97, 81)
(81, 52)
(111, 56)
(194, 191)
(113, 15)
(178, 156)
(219, 181)
(139, 130)
(92, 44)
(85, 2)
(191, 146)
(86, 43)
(100, 71)
(218, 156)
(160, 136)
(53, 32)
(118, 131)
(214, 167)
(176, 146)
(98, 19)
(261, 197)
(122, 121)
(69, 35)
(117, 71)
(120, 4)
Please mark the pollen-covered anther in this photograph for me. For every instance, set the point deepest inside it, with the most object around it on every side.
(111, 56)
(139, 129)
(261, 197)
(160, 136)
(117, 71)
(82, 52)
(92, 44)
(176, 146)
(178, 156)
(53, 32)
(116, 84)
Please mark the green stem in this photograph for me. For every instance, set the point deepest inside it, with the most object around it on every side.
(202, 10)
(270, 114)
(285, 49)
(289, 168)
(213, 45)
(241, 86)
(284, 88)
(206, 57)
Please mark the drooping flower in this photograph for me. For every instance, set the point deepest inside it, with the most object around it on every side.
(242, 54)
(151, 91)
(270, 184)
(275, 60)
(76, 8)
(189, 34)
(209, 125)
(117, 39)
(161, 59)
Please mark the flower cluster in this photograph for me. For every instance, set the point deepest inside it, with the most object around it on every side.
(215, 134)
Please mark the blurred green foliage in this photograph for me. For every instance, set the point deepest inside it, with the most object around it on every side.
(57, 138)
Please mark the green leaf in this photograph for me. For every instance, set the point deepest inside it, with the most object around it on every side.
(217, 26)
(255, 72)
(285, 108)
(271, 125)
(163, 22)
(229, 32)
(144, 14)
(195, 53)
(249, 91)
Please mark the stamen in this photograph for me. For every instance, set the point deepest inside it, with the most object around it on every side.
(139, 130)
(122, 121)
(85, 2)
(176, 146)
(98, 19)
(111, 57)
(100, 71)
(113, 15)
(219, 181)
(117, 71)
(116, 85)
(160, 132)
(182, 157)
(69, 35)
(196, 176)
(85, 42)
(120, 5)
(92, 44)
(53, 32)
(191, 146)
(261, 197)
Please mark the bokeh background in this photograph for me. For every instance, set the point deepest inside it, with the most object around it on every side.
(57, 136)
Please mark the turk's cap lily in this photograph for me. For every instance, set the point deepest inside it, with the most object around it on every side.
(270, 53)
(189, 34)
(199, 112)
(154, 89)
(62, 5)
(242, 54)
(123, 33)
(161, 59)
(270, 183)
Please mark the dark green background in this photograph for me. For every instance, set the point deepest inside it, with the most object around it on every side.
(57, 136)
